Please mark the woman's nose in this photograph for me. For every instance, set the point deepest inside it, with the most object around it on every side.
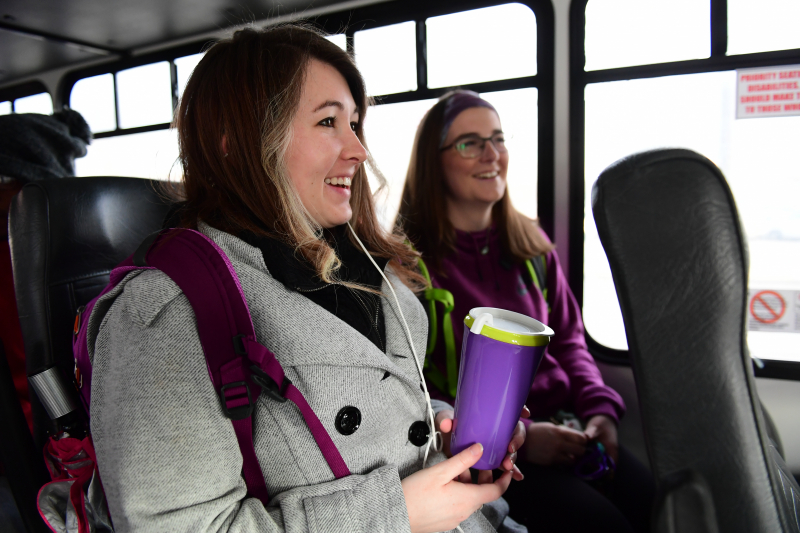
(353, 149)
(490, 153)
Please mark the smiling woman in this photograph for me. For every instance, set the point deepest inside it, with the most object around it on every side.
(484, 253)
(272, 146)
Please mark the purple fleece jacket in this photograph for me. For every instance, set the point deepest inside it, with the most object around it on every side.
(568, 377)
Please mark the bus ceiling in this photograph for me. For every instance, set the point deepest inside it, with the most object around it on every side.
(44, 35)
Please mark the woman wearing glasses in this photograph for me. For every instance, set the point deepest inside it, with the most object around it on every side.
(479, 249)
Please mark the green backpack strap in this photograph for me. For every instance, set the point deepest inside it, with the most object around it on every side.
(537, 269)
(448, 383)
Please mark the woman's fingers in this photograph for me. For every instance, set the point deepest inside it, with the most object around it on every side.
(526, 413)
(573, 448)
(489, 492)
(508, 462)
(445, 416)
(459, 463)
(498, 488)
(570, 435)
(517, 438)
(444, 425)
(485, 476)
(436, 502)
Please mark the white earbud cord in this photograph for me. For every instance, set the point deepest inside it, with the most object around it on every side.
(432, 434)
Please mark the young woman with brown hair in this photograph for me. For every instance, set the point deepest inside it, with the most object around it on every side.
(272, 145)
(480, 251)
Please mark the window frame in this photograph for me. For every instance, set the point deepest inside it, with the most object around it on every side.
(579, 78)
(170, 55)
(15, 92)
(385, 14)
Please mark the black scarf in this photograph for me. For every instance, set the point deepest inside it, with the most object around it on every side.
(361, 310)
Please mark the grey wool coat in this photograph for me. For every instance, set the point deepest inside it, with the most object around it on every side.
(168, 457)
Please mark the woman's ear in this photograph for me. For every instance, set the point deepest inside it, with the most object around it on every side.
(224, 145)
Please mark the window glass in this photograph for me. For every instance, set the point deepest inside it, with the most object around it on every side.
(387, 58)
(507, 48)
(94, 99)
(151, 155)
(762, 26)
(758, 157)
(144, 95)
(519, 112)
(623, 33)
(5, 108)
(38, 103)
(185, 66)
(390, 130)
(339, 39)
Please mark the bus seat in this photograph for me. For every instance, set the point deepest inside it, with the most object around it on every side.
(65, 237)
(678, 256)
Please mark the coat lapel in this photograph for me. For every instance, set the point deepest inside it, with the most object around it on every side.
(333, 342)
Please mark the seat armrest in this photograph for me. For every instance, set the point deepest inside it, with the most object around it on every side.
(684, 504)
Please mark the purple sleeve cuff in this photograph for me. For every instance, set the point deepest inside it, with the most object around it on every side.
(608, 409)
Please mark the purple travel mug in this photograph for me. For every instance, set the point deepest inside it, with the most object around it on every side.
(499, 357)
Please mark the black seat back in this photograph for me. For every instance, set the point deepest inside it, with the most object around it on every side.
(677, 252)
(66, 235)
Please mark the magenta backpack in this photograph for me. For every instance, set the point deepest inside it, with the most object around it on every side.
(239, 367)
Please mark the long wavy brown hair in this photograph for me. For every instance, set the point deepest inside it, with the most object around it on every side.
(247, 90)
(423, 212)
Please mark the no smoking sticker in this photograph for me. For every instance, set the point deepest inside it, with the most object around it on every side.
(767, 307)
(773, 310)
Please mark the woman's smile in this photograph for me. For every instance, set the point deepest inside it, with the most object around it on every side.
(492, 174)
(343, 182)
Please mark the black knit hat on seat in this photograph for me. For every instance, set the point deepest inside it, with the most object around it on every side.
(35, 147)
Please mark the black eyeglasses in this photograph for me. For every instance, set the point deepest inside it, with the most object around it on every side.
(472, 146)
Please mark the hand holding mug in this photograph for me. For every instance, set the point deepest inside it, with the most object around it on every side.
(444, 424)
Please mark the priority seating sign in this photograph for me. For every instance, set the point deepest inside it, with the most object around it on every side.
(768, 92)
(773, 310)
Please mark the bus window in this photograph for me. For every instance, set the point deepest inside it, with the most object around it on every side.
(622, 33)
(519, 112)
(633, 111)
(153, 155)
(144, 95)
(339, 39)
(184, 67)
(5, 108)
(386, 57)
(37, 103)
(394, 69)
(94, 99)
(762, 27)
(453, 57)
(390, 131)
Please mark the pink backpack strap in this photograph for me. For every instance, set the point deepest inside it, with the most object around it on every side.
(239, 367)
(80, 349)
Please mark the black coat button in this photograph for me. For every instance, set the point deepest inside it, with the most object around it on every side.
(418, 433)
(348, 420)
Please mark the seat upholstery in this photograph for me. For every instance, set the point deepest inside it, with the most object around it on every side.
(66, 235)
(678, 256)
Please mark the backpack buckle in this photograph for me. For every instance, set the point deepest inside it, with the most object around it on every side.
(268, 385)
(238, 412)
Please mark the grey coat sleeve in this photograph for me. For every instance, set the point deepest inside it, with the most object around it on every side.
(169, 459)
(439, 405)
